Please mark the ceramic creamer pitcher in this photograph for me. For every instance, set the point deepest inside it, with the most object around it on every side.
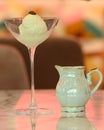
(73, 89)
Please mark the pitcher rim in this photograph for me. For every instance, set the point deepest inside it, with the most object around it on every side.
(77, 67)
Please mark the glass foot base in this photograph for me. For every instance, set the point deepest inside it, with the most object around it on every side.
(29, 112)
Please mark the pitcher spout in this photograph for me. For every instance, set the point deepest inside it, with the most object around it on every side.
(58, 68)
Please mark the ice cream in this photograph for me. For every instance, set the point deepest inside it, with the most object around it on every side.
(33, 30)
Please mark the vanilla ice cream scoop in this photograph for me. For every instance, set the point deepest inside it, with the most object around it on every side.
(32, 23)
(33, 30)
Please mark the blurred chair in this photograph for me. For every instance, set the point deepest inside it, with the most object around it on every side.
(14, 65)
(56, 51)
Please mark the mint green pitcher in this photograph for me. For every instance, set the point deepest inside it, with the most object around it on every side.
(73, 88)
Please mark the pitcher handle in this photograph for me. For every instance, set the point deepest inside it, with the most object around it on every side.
(89, 75)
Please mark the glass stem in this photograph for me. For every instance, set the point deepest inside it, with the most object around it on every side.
(33, 101)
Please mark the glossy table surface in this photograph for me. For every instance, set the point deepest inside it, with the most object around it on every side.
(17, 99)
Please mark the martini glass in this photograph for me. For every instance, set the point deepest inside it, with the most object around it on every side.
(31, 42)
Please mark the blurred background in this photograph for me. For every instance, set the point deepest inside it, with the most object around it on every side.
(78, 19)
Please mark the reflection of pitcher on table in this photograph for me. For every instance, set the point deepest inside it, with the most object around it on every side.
(73, 89)
(74, 123)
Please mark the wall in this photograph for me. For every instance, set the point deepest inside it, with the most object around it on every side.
(68, 12)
